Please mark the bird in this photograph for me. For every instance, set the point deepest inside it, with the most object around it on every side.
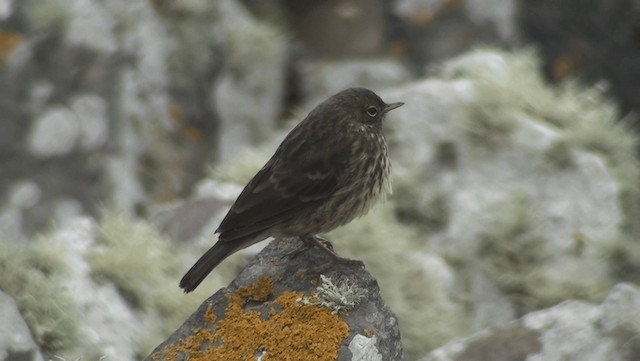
(329, 170)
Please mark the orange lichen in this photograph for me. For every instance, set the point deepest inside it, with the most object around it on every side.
(398, 47)
(8, 41)
(176, 111)
(194, 134)
(288, 331)
(562, 66)
(369, 332)
(259, 291)
(422, 18)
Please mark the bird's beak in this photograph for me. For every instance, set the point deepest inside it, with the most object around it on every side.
(392, 106)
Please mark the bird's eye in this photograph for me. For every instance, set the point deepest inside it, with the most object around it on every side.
(372, 111)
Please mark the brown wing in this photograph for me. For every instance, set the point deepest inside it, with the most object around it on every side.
(299, 175)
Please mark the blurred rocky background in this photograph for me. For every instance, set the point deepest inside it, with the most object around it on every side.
(128, 127)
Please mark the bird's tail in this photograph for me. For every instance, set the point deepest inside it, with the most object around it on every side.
(216, 254)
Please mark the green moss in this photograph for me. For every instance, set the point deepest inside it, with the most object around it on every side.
(447, 154)
(510, 221)
(32, 276)
(629, 198)
(430, 214)
(134, 257)
(48, 13)
(144, 267)
(559, 156)
(490, 123)
(427, 313)
(243, 167)
(600, 135)
(248, 45)
(626, 260)
(510, 249)
(503, 87)
(513, 255)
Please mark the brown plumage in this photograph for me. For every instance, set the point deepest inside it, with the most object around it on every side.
(329, 169)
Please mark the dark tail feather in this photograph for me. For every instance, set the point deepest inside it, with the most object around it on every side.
(206, 264)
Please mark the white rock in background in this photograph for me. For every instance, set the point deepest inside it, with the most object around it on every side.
(6, 8)
(621, 309)
(108, 322)
(570, 331)
(91, 111)
(11, 224)
(579, 331)
(54, 133)
(91, 26)
(248, 96)
(66, 212)
(16, 342)
(39, 95)
(24, 194)
(59, 129)
(142, 100)
(126, 188)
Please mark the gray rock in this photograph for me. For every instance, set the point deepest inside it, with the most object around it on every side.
(24, 194)
(248, 95)
(6, 8)
(301, 324)
(54, 133)
(16, 343)
(94, 125)
(570, 331)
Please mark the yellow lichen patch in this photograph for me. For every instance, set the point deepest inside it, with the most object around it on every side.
(259, 291)
(8, 41)
(288, 331)
(369, 332)
(191, 344)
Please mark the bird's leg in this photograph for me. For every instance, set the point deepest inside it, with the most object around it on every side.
(312, 241)
(322, 242)
(326, 246)
(303, 247)
(307, 242)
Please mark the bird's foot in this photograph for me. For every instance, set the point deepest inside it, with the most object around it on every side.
(293, 254)
(325, 245)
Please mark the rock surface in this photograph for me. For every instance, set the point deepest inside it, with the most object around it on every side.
(270, 308)
(16, 342)
(570, 331)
